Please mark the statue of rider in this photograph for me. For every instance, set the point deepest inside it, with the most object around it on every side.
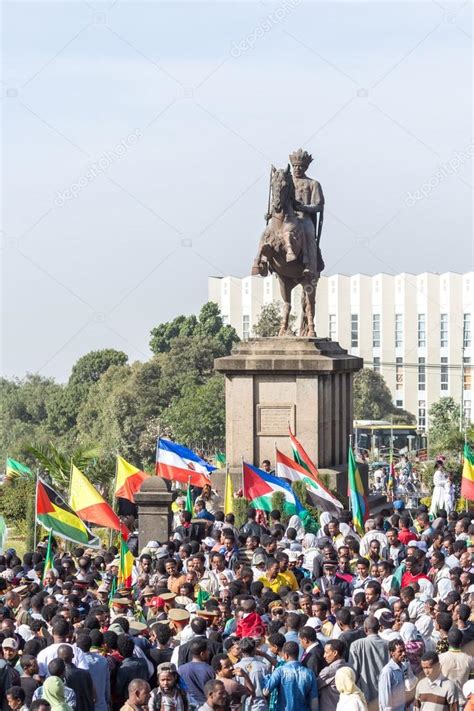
(309, 202)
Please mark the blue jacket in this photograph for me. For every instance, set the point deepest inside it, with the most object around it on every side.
(296, 686)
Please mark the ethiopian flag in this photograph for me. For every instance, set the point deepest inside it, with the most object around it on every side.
(16, 469)
(124, 578)
(91, 506)
(129, 480)
(219, 459)
(53, 513)
(467, 479)
(356, 493)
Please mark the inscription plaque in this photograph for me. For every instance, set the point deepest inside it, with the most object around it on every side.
(273, 420)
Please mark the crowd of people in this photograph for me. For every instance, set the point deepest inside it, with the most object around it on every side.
(261, 617)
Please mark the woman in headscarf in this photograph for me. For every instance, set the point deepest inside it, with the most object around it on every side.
(351, 697)
(296, 523)
(324, 519)
(310, 549)
(425, 625)
(53, 692)
(414, 646)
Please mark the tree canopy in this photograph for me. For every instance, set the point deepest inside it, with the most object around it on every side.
(109, 406)
(373, 399)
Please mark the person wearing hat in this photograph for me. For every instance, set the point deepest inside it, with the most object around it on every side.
(168, 694)
(179, 620)
(330, 579)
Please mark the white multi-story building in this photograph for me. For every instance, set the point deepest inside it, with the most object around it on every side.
(415, 329)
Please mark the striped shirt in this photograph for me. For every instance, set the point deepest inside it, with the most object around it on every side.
(437, 695)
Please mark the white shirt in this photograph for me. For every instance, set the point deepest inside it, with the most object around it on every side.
(49, 653)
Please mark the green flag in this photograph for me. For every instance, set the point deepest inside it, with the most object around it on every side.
(16, 469)
(220, 460)
(48, 561)
(189, 500)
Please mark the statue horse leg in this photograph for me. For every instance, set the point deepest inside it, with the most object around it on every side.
(286, 287)
(308, 302)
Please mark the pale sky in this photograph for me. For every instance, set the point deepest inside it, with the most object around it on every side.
(184, 106)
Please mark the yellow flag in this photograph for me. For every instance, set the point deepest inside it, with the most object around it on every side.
(228, 495)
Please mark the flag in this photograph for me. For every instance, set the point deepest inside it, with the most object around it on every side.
(124, 578)
(391, 473)
(91, 506)
(16, 469)
(219, 459)
(228, 495)
(53, 513)
(48, 561)
(260, 486)
(320, 497)
(129, 480)
(467, 478)
(357, 496)
(396, 582)
(301, 457)
(178, 463)
(189, 500)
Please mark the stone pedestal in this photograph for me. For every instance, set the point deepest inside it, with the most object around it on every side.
(271, 383)
(154, 511)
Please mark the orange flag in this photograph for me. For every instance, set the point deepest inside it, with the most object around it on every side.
(91, 506)
(129, 480)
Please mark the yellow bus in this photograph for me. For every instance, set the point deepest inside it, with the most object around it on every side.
(375, 436)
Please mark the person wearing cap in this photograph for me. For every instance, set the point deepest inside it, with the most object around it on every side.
(10, 649)
(168, 694)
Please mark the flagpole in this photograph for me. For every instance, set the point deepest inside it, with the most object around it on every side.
(348, 488)
(465, 444)
(113, 496)
(36, 509)
(276, 456)
(242, 474)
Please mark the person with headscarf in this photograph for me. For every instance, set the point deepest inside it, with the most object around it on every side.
(351, 697)
(53, 691)
(296, 523)
(414, 646)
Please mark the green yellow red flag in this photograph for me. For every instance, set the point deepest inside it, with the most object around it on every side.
(54, 514)
(467, 479)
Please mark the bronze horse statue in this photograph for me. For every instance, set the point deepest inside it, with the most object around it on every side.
(280, 252)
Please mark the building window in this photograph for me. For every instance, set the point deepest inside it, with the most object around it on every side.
(245, 327)
(376, 330)
(467, 377)
(421, 374)
(399, 373)
(421, 331)
(398, 330)
(444, 331)
(354, 330)
(332, 327)
(398, 403)
(376, 364)
(225, 319)
(422, 414)
(444, 374)
(466, 331)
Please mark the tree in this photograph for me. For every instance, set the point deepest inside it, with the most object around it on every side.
(373, 399)
(443, 431)
(268, 323)
(199, 414)
(209, 324)
(91, 366)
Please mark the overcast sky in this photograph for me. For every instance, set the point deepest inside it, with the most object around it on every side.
(138, 139)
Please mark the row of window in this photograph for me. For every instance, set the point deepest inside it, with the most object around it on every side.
(422, 413)
(444, 373)
(421, 333)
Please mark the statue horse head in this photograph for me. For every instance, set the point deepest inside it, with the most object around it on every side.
(283, 189)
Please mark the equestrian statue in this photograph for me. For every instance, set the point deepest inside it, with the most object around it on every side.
(289, 246)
